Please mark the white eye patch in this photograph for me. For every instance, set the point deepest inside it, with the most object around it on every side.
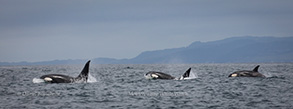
(233, 75)
(48, 79)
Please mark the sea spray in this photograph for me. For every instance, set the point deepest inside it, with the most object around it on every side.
(91, 79)
(38, 80)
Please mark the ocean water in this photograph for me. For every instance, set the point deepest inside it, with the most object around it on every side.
(124, 86)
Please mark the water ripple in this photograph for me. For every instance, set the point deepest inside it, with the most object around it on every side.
(124, 86)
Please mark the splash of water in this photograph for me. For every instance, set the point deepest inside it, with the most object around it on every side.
(193, 75)
(91, 79)
(268, 75)
(38, 80)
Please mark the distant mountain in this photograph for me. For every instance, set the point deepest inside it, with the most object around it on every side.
(54, 62)
(231, 50)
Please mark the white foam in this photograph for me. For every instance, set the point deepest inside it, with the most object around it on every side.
(267, 74)
(38, 80)
(91, 79)
(193, 75)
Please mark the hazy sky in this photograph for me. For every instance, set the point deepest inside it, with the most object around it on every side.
(39, 30)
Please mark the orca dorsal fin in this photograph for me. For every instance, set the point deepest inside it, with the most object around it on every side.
(187, 73)
(85, 71)
(256, 68)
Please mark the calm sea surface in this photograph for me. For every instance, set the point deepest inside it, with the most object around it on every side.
(124, 86)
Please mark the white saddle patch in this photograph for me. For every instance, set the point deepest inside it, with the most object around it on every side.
(57, 76)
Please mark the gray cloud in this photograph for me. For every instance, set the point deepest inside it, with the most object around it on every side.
(34, 30)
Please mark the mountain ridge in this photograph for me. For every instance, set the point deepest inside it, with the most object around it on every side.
(246, 49)
(230, 50)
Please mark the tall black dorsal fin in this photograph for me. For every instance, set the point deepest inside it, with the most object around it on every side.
(85, 71)
(186, 74)
(256, 68)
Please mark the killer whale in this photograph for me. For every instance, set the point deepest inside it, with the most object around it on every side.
(161, 75)
(158, 75)
(247, 73)
(59, 78)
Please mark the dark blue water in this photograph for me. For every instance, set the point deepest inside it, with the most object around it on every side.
(124, 86)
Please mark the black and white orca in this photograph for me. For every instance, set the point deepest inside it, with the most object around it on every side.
(161, 75)
(59, 78)
(158, 75)
(247, 73)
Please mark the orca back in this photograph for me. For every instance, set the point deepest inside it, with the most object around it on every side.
(159, 75)
(57, 78)
(247, 73)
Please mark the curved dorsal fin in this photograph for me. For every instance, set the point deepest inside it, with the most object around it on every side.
(85, 71)
(186, 74)
(256, 68)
